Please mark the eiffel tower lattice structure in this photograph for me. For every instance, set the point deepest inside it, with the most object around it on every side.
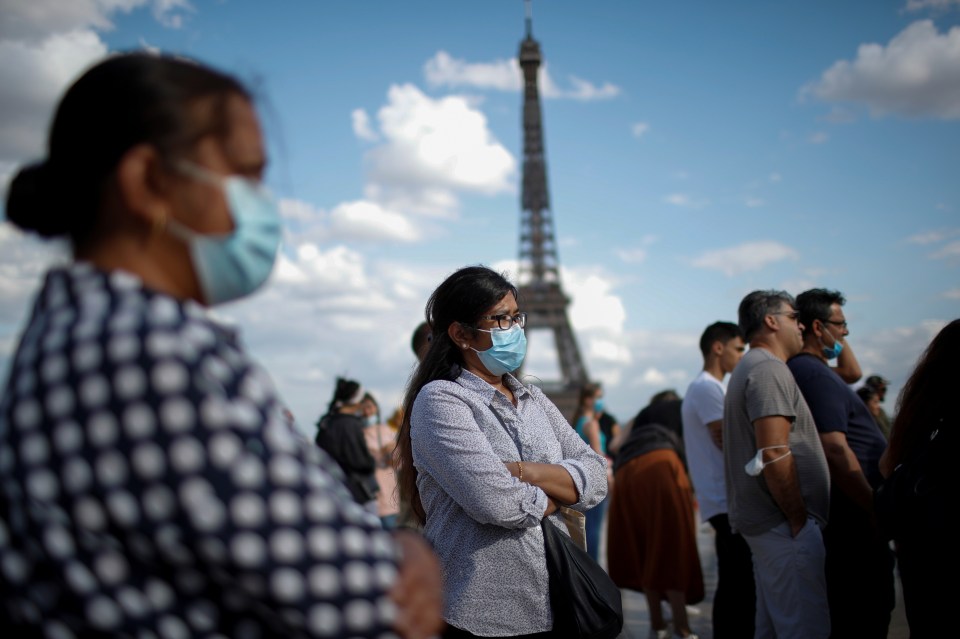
(540, 291)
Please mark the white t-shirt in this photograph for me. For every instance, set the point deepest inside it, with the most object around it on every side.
(702, 404)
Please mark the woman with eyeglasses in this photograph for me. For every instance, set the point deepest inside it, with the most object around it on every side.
(150, 482)
(484, 458)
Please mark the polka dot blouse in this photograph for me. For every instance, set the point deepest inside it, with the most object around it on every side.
(150, 487)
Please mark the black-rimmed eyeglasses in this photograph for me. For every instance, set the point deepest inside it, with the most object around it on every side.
(506, 322)
(842, 324)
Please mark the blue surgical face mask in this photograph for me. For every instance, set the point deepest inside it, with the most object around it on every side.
(232, 265)
(371, 420)
(506, 354)
(832, 352)
(598, 405)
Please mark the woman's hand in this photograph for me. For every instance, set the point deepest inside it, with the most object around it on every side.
(417, 592)
(552, 479)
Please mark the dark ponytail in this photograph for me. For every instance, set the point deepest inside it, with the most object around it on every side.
(462, 297)
(127, 99)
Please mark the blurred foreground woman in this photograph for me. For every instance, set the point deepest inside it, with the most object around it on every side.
(149, 484)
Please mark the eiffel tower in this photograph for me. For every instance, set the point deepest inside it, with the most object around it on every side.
(540, 292)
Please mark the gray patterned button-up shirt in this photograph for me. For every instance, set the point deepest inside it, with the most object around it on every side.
(483, 523)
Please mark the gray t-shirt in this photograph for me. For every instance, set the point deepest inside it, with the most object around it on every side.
(762, 386)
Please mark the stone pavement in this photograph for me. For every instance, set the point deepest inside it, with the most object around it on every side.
(637, 620)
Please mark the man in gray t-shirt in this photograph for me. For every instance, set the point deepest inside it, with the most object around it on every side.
(778, 484)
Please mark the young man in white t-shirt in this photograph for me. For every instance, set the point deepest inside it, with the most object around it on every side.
(734, 603)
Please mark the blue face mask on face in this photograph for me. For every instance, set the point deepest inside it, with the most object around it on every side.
(508, 350)
(598, 405)
(232, 265)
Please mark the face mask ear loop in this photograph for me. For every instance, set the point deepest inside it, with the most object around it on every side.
(789, 452)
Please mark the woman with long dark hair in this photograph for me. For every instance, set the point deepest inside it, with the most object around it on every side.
(150, 484)
(921, 467)
(483, 459)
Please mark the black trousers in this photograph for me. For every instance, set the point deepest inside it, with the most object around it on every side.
(735, 600)
(859, 571)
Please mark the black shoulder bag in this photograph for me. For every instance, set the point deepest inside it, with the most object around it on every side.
(582, 596)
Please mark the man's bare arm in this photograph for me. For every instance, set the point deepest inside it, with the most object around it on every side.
(845, 470)
(715, 428)
(781, 477)
(848, 368)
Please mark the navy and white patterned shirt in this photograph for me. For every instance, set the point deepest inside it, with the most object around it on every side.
(149, 486)
(483, 523)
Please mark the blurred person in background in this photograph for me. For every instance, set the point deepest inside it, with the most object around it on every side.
(340, 432)
(586, 421)
(382, 441)
(651, 534)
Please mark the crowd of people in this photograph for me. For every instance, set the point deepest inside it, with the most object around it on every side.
(152, 482)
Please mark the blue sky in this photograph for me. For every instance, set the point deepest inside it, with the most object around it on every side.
(696, 151)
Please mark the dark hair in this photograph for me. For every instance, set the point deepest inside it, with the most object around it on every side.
(668, 395)
(866, 393)
(756, 306)
(721, 332)
(587, 391)
(463, 297)
(815, 305)
(344, 391)
(127, 99)
(927, 398)
(420, 341)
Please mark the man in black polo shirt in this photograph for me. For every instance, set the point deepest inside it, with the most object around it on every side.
(859, 564)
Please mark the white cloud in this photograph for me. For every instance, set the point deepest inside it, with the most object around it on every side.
(594, 306)
(361, 126)
(917, 74)
(754, 202)
(586, 91)
(750, 256)
(362, 220)
(44, 45)
(443, 70)
(639, 128)
(433, 146)
(818, 138)
(686, 201)
(775, 177)
(23, 260)
(932, 237)
(632, 256)
(952, 294)
(33, 75)
(949, 251)
(935, 5)
(300, 211)
(446, 71)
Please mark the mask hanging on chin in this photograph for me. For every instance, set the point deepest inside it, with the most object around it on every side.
(832, 352)
(508, 350)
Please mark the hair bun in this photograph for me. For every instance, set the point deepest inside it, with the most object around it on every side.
(32, 202)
